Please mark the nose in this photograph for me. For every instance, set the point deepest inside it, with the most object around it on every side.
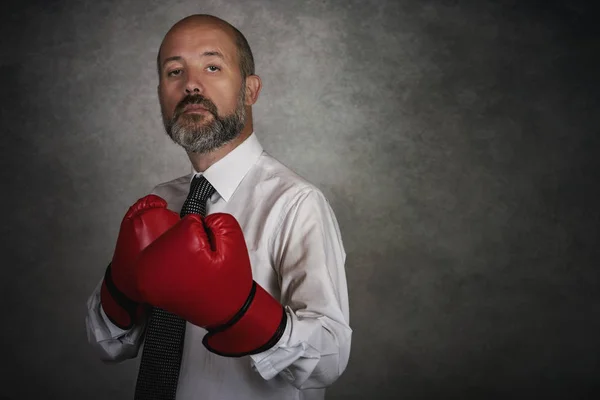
(192, 89)
(193, 85)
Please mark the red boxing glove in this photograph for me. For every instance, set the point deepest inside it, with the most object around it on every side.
(145, 221)
(200, 270)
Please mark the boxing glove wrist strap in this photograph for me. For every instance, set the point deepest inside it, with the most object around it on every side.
(257, 327)
(119, 308)
(238, 315)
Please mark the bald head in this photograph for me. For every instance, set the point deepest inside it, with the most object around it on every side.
(244, 53)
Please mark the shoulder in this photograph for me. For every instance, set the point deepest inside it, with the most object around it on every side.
(287, 186)
(174, 188)
(279, 177)
(278, 187)
(303, 213)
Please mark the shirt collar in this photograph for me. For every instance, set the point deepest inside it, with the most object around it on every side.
(226, 174)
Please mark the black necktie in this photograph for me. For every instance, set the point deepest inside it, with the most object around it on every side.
(163, 345)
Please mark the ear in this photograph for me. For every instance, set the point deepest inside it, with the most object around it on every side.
(253, 86)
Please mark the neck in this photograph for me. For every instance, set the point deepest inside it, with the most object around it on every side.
(201, 161)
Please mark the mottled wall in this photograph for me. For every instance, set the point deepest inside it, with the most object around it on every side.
(457, 143)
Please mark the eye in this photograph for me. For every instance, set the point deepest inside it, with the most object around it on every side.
(213, 68)
(175, 72)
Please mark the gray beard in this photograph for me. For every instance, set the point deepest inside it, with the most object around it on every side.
(188, 131)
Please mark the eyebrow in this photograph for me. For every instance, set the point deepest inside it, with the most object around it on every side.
(205, 54)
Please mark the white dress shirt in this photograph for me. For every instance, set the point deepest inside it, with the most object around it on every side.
(297, 256)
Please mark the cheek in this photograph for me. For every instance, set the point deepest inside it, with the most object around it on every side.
(227, 99)
(167, 100)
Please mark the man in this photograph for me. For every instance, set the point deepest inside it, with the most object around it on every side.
(255, 270)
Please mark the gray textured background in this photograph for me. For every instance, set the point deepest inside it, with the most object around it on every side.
(457, 142)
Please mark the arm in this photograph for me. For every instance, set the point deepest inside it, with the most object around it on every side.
(116, 313)
(314, 349)
(112, 343)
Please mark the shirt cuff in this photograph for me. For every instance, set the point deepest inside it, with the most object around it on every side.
(261, 362)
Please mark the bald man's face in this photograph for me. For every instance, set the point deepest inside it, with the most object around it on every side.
(201, 91)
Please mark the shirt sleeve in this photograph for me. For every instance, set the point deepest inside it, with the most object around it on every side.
(111, 342)
(309, 255)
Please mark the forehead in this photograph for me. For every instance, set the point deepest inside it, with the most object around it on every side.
(192, 39)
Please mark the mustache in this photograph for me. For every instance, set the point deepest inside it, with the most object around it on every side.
(195, 99)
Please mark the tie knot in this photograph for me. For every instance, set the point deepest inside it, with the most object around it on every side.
(200, 192)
